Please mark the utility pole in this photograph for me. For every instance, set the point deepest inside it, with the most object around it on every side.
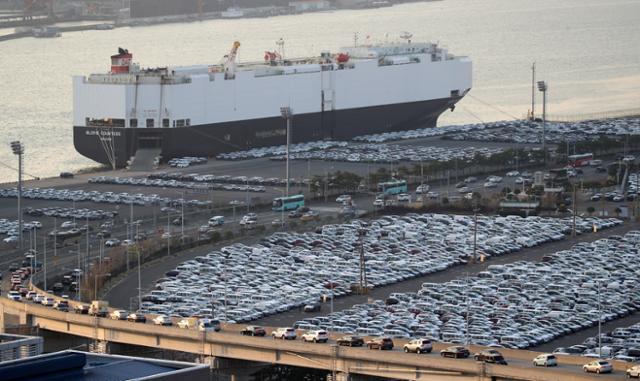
(475, 234)
(363, 270)
(44, 239)
(18, 149)
(575, 207)
(599, 322)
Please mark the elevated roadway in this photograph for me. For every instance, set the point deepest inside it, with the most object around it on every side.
(346, 362)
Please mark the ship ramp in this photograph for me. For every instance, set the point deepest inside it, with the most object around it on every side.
(145, 159)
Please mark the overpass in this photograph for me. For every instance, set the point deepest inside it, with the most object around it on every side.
(345, 362)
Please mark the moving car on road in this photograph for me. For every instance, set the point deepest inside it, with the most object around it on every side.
(545, 360)
(455, 352)
(316, 336)
(162, 320)
(418, 346)
(284, 333)
(253, 330)
(490, 356)
(350, 341)
(634, 371)
(380, 343)
(599, 366)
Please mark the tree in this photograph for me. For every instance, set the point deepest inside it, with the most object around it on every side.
(591, 210)
(617, 211)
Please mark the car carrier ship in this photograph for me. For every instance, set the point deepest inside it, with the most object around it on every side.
(210, 109)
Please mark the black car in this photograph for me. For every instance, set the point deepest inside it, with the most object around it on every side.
(137, 318)
(490, 356)
(66, 175)
(380, 343)
(81, 309)
(253, 330)
(455, 352)
(57, 287)
(350, 341)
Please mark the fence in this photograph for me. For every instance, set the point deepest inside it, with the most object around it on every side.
(595, 116)
(14, 347)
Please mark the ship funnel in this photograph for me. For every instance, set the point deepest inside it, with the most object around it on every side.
(121, 62)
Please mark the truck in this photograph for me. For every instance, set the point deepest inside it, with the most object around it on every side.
(99, 308)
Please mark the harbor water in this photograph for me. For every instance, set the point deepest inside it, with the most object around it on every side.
(588, 51)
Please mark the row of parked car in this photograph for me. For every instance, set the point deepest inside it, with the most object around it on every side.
(516, 305)
(531, 133)
(123, 198)
(145, 182)
(187, 161)
(386, 153)
(12, 228)
(279, 150)
(289, 270)
(622, 343)
(431, 132)
(77, 213)
(225, 179)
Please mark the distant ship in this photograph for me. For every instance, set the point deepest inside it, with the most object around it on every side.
(232, 13)
(46, 32)
(210, 109)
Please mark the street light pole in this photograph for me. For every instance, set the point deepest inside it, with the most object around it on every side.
(18, 149)
(287, 114)
(542, 86)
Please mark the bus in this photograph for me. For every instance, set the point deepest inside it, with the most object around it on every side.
(393, 187)
(580, 160)
(288, 203)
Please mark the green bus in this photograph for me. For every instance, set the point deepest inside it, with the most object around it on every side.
(393, 187)
(288, 203)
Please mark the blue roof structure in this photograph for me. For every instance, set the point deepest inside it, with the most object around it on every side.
(80, 366)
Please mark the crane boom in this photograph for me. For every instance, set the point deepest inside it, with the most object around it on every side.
(230, 62)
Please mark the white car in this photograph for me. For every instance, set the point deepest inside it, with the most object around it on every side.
(433, 194)
(11, 239)
(404, 197)
(118, 315)
(599, 366)
(418, 346)
(490, 184)
(513, 173)
(186, 323)
(378, 202)
(343, 198)
(162, 320)
(424, 188)
(284, 333)
(48, 302)
(634, 371)
(316, 336)
(14, 295)
(546, 359)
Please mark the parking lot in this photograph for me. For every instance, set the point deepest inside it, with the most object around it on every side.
(515, 305)
(286, 271)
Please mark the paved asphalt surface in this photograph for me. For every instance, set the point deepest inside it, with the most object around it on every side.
(123, 292)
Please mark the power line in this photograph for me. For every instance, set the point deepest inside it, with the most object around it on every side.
(16, 170)
(493, 107)
(471, 113)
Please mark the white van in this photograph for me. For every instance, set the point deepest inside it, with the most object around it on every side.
(216, 221)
